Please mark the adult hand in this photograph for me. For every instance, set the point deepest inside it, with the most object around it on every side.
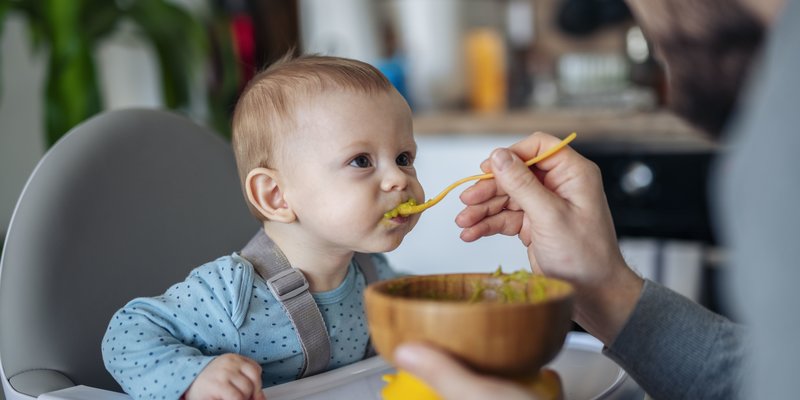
(559, 211)
(227, 377)
(450, 379)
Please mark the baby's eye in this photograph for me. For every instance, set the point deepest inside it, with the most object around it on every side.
(361, 161)
(404, 160)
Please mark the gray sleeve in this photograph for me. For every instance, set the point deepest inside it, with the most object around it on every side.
(676, 349)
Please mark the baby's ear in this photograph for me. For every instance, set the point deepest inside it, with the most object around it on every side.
(265, 195)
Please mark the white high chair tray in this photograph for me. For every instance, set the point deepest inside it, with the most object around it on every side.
(585, 373)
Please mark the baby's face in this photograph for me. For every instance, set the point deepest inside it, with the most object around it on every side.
(350, 160)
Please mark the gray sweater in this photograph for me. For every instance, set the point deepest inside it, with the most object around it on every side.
(676, 349)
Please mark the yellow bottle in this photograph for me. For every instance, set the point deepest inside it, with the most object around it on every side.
(486, 70)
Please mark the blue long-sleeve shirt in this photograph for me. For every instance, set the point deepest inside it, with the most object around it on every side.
(155, 347)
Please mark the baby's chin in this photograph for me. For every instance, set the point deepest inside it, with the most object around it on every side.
(387, 246)
(411, 225)
(393, 243)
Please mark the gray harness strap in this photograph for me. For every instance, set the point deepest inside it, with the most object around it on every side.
(364, 262)
(290, 288)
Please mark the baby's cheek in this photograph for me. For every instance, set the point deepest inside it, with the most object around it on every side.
(419, 192)
(413, 222)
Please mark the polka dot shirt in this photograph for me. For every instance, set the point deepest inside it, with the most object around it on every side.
(155, 347)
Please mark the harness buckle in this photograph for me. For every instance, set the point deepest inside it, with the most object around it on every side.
(287, 284)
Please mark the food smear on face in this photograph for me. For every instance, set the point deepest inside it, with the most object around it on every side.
(401, 209)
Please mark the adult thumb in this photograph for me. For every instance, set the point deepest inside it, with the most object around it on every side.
(516, 179)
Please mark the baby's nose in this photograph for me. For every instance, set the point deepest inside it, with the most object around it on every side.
(394, 180)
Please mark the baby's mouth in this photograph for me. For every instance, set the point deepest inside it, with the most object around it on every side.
(400, 219)
(398, 211)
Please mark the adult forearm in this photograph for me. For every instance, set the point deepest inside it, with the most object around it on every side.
(603, 310)
(676, 349)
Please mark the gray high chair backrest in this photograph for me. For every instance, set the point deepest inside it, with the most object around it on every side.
(123, 206)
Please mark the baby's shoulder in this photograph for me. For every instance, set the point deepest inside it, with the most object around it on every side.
(225, 274)
(228, 265)
(227, 281)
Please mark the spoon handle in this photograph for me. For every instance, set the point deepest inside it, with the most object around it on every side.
(430, 203)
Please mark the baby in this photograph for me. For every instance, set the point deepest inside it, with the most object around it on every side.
(324, 147)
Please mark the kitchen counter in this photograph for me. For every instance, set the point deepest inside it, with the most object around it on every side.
(593, 124)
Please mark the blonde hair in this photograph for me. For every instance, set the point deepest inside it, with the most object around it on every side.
(265, 109)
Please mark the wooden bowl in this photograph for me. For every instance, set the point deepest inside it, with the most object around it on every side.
(507, 339)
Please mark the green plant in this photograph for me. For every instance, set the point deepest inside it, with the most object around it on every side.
(70, 31)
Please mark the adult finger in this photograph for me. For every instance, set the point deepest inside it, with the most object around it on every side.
(479, 192)
(450, 379)
(525, 149)
(514, 177)
(473, 214)
(530, 147)
(444, 375)
(506, 223)
(538, 143)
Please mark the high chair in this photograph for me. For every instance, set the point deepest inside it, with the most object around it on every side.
(124, 205)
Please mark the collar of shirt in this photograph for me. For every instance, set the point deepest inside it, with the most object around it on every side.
(342, 291)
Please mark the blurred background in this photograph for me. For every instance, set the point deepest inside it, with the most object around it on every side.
(478, 74)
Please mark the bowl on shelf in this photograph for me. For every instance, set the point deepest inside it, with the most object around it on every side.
(507, 325)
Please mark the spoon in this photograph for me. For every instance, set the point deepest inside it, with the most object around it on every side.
(411, 206)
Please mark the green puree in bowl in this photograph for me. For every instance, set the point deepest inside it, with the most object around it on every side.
(517, 287)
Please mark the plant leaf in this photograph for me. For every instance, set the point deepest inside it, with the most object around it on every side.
(72, 89)
(178, 40)
(226, 79)
(4, 6)
(101, 18)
